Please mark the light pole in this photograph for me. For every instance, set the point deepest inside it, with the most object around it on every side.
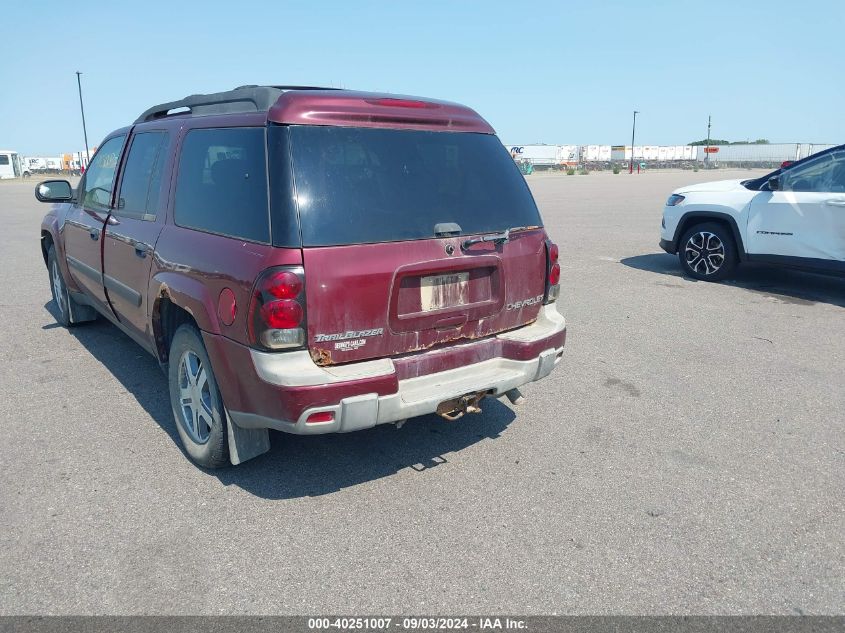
(633, 136)
(707, 146)
(82, 109)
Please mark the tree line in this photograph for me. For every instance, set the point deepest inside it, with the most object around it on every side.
(721, 141)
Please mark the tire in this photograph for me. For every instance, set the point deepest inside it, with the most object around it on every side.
(70, 312)
(58, 288)
(195, 399)
(707, 252)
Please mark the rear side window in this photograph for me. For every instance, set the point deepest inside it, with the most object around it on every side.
(4, 159)
(221, 186)
(359, 185)
(141, 183)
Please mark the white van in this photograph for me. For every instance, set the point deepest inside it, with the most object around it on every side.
(10, 165)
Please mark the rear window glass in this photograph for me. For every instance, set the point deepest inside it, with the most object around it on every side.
(141, 183)
(221, 186)
(358, 185)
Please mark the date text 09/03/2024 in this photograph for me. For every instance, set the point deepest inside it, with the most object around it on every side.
(416, 623)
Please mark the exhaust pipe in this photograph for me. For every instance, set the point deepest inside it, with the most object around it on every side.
(515, 396)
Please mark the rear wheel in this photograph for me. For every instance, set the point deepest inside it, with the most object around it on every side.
(195, 399)
(707, 252)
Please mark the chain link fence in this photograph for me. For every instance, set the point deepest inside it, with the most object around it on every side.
(618, 158)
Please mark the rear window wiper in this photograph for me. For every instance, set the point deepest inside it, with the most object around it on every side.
(496, 238)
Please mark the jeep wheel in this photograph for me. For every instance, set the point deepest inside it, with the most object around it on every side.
(707, 252)
(195, 399)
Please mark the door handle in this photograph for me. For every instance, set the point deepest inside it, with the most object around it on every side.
(835, 202)
(94, 234)
(141, 249)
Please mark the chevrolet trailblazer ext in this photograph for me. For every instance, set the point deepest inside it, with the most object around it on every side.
(309, 260)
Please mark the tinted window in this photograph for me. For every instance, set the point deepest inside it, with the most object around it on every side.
(284, 221)
(4, 159)
(141, 183)
(221, 186)
(356, 185)
(824, 174)
(99, 177)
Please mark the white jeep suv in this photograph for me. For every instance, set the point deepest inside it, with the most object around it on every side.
(794, 216)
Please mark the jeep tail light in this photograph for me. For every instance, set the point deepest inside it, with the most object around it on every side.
(552, 273)
(277, 309)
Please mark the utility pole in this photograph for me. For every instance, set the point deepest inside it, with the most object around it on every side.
(707, 147)
(82, 109)
(633, 136)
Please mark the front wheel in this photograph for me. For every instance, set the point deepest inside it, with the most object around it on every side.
(58, 289)
(707, 252)
(69, 312)
(195, 398)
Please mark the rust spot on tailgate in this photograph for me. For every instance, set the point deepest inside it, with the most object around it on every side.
(321, 357)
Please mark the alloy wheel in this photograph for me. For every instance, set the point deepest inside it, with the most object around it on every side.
(58, 288)
(195, 397)
(704, 253)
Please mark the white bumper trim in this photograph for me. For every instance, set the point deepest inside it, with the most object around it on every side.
(416, 396)
(296, 369)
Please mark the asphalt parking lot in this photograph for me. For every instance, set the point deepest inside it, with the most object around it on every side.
(686, 457)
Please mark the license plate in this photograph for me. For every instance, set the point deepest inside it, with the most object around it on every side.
(443, 291)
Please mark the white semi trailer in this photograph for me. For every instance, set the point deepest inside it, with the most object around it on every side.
(660, 153)
(545, 155)
(596, 153)
(34, 164)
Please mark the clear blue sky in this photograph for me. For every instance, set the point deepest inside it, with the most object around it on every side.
(553, 72)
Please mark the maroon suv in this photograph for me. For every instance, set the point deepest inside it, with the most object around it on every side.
(309, 260)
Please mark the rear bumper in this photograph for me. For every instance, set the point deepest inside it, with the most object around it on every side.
(414, 396)
(283, 390)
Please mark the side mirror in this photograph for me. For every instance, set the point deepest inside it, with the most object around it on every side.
(774, 183)
(54, 191)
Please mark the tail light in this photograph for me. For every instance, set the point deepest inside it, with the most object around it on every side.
(402, 103)
(277, 309)
(552, 273)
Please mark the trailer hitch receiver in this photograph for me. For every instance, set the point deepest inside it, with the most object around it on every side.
(456, 407)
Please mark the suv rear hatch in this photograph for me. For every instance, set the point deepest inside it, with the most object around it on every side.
(391, 222)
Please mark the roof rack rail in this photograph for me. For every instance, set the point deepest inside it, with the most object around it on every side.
(248, 98)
